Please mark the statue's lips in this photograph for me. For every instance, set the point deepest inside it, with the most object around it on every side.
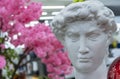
(85, 59)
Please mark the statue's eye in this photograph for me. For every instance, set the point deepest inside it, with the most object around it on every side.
(93, 36)
(73, 36)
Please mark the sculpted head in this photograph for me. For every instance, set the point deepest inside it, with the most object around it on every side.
(85, 29)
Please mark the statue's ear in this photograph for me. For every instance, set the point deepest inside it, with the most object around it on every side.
(110, 37)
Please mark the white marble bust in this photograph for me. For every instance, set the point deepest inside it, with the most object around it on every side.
(85, 29)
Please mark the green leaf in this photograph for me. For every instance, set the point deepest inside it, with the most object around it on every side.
(78, 1)
(1, 40)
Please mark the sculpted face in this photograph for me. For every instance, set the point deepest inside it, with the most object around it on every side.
(86, 44)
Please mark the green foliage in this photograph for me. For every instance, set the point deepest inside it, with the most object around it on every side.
(9, 72)
(1, 40)
(10, 55)
(78, 0)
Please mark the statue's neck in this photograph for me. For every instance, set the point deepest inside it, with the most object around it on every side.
(100, 73)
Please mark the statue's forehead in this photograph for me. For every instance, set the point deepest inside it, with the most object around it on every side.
(83, 27)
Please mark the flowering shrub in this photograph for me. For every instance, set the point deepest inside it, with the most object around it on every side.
(42, 41)
(14, 15)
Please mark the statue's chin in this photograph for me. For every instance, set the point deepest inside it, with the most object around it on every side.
(85, 67)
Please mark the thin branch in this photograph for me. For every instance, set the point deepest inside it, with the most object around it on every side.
(11, 61)
(21, 59)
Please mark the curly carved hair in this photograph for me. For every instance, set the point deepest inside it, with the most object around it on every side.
(83, 11)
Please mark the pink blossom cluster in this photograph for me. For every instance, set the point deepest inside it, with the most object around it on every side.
(2, 62)
(58, 65)
(46, 46)
(14, 14)
(39, 38)
(18, 11)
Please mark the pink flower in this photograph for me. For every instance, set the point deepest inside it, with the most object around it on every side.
(2, 62)
(2, 46)
(40, 53)
(50, 68)
(58, 64)
(30, 13)
(23, 11)
(54, 76)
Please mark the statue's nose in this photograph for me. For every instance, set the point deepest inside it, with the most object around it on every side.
(83, 49)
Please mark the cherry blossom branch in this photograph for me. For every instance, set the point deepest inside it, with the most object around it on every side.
(11, 61)
(21, 59)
